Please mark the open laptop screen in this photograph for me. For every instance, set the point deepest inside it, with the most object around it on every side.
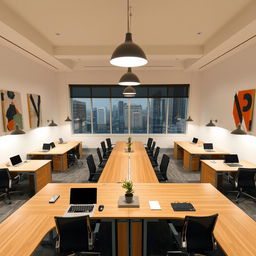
(83, 195)
(16, 160)
(232, 158)
(46, 146)
(195, 140)
(208, 146)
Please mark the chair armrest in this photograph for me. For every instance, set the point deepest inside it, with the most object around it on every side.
(97, 228)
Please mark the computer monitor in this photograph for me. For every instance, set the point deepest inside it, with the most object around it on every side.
(195, 140)
(208, 146)
(16, 160)
(231, 158)
(52, 144)
(46, 146)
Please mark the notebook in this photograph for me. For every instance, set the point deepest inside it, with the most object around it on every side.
(232, 160)
(16, 160)
(182, 207)
(82, 202)
(208, 147)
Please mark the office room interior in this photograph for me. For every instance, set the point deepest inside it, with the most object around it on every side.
(48, 48)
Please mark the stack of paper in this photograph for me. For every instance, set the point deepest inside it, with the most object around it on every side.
(154, 205)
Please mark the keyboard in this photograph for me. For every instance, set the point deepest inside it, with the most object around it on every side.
(80, 208)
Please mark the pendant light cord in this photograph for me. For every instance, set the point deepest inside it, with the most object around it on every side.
(129, 15)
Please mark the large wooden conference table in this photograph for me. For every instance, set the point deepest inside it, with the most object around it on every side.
(58, 155)
(235, 231)
(191, 153)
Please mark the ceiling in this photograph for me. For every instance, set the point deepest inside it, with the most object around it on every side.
(81, 34)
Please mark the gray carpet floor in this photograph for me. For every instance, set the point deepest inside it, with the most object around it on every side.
(176, 174)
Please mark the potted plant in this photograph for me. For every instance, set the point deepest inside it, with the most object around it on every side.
(129, 144)
(128, 185)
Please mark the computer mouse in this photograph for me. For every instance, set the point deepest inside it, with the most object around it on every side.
(101, 207)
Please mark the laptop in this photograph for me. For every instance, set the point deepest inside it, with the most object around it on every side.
(61, 141)
(232, 160)
(82, 202)
(16, 160)
(195, 140)
(52, 145)
(46, 147)
(208, 147)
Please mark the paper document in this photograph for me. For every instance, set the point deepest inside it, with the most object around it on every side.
(154, 205)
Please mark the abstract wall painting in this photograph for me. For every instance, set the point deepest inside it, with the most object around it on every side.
(34, 110)
(11, 110)
(243, 108)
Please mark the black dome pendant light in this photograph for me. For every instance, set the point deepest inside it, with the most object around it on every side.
(128, 54)
(129, 79)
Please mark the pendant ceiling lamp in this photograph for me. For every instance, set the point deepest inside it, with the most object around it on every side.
(17, 131)
(211, 124)
(189, 119)
(52, 123)
(68, 119)
(239, 131)
(128, 54)
(129, 79)
(129, 92)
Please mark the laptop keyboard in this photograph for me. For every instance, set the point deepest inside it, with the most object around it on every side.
(234, 165)
(80, 208)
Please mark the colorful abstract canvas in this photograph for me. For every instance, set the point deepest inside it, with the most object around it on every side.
(11, 110)
(243, 108)
(34, 110)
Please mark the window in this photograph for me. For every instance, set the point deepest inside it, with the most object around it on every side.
(138, 115)
(156, 109)
(100, 109)
(119, 115)
(81, 115)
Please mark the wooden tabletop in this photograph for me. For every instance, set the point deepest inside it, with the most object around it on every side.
(220, 166)
(59, 149)
(27, 166)
(198, 149)
(235, 230)
(123, 165)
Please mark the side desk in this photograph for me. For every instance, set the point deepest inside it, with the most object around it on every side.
(213, 170)
(39, 172)
(191, 154)
(58, 155)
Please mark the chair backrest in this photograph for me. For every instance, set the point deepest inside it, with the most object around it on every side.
(99, 155)
(153, 146)
(103, 146)
(245, 178)
(91, 164)
(74, 233)
(197, 233)
(164, 165)
(109, 144)
(150, 140)
(5, 178)
(156, 153)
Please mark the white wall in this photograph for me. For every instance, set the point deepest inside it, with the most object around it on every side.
(23, 75)
(111, 77)
(219, 85)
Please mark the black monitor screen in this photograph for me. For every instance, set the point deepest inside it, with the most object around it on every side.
(195, 140)
(83, 195)
(15, 160)
(46, 146)
(208, 146)
(52, 144)
(232, 158)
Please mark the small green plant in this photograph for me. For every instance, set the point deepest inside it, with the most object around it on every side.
(129, 140)
(129, 144)
(128, 185)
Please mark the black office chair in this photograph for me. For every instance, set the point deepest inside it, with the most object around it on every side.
(109, 144)
(6, 182)
(106, 153)
(73, 157)
(196, 235)
(102, 162)
(154, 158)
(161, 172)
(149, 143)
(94, 173)
(76, 236)
(245, 183)
(151, 151)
